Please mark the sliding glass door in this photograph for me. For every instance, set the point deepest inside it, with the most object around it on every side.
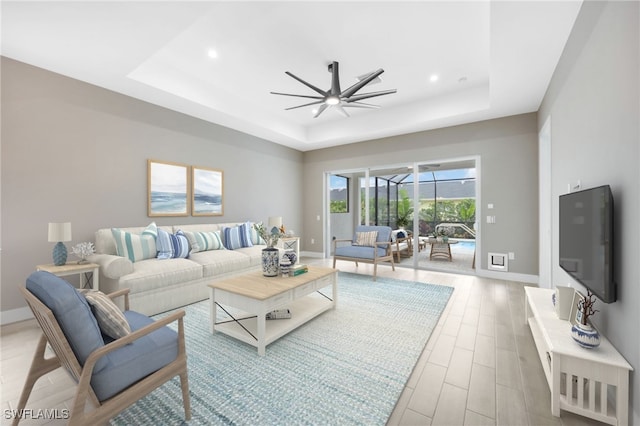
(427, 200)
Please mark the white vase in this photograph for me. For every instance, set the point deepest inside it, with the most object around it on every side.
(585, 335)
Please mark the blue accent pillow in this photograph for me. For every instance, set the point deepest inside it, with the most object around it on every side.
(172, 246)
(238, 236)
(245, 234)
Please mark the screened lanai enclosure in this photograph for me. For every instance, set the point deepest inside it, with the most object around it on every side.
(436, 206)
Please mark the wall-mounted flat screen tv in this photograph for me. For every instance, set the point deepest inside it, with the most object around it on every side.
(586, 240)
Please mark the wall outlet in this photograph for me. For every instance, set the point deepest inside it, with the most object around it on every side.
(512, 255)
(313, 241)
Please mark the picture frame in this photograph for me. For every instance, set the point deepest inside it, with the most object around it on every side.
(167, 189)
(576, 315)
(207, 194)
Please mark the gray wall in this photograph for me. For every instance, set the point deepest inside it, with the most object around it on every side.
(507, 148)
(594, 105)
(75, 152)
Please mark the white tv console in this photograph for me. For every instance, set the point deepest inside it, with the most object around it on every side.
(579, 379)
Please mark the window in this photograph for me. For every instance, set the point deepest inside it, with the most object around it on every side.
(339, 194)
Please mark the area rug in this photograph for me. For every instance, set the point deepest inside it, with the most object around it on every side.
(346, 367)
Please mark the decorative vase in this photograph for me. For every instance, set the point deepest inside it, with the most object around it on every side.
(585, 335)
(270, 264)
(59, 254)
(445, 239)
(284, 266)
(291, 255)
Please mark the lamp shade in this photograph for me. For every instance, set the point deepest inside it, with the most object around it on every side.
(275, 221)
(59, 232)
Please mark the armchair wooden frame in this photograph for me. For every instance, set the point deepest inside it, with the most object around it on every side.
(402, 246)
(388, 256)
(52, 333)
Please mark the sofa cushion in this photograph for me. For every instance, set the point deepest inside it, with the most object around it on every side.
(203, 241)
(136, 247)
(152, 274)
(110, 318)
(132, 362)
(72, 313)
(172, 245)
(361, 252)
(255, 254)
(219, 262)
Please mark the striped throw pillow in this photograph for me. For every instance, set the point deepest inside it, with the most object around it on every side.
(111, 320)
(366, 238)
(203, 241)
(172, 246)
(237, 237)
(136, 247)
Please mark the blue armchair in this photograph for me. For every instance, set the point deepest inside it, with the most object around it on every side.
(370, 244)
(112, 374)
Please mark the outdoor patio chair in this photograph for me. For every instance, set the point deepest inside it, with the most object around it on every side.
(370, 244)
(112, 374)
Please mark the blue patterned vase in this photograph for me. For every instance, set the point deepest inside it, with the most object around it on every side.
(585, 335)
(292, 256)
(270, 262)
(59, 254)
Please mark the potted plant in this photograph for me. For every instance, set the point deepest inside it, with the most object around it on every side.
(582, 331)
(404, 210)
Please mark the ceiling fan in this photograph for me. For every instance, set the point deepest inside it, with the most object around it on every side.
(336, 98)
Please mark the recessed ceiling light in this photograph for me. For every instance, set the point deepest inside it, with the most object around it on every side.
(433, 78)
(212, 53)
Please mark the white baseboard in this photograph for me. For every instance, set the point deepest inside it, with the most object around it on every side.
(15, 315)
(315, 254)
(511, 276)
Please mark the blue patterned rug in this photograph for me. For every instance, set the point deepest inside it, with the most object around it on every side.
(348, 366)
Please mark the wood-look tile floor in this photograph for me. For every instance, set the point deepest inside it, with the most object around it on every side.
(479, 367)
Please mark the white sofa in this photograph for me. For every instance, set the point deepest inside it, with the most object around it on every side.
(158, 285)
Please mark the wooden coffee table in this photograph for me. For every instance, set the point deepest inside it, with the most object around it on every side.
(305, 295)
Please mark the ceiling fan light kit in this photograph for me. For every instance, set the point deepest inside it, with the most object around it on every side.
(335, 97)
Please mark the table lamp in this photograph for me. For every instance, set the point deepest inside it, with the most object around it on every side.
(275, 223)
(59, 233)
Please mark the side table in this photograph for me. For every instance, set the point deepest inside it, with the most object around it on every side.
(87, 271)
(292, 243)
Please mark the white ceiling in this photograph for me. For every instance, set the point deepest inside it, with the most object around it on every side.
(493, 58)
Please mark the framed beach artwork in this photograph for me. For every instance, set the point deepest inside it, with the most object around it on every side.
(207, 192)
(167, 188)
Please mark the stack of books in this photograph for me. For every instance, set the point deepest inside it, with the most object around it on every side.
(298, 269)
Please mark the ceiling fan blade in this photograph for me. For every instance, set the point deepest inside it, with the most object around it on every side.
(369, 95)
(320, 110)
(335, 79)
(300, 106)
(359, 85)
(298, 96)
(341, 110)
(309, 85)
(359, 105)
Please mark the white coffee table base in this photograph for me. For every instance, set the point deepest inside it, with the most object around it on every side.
(306, 301)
